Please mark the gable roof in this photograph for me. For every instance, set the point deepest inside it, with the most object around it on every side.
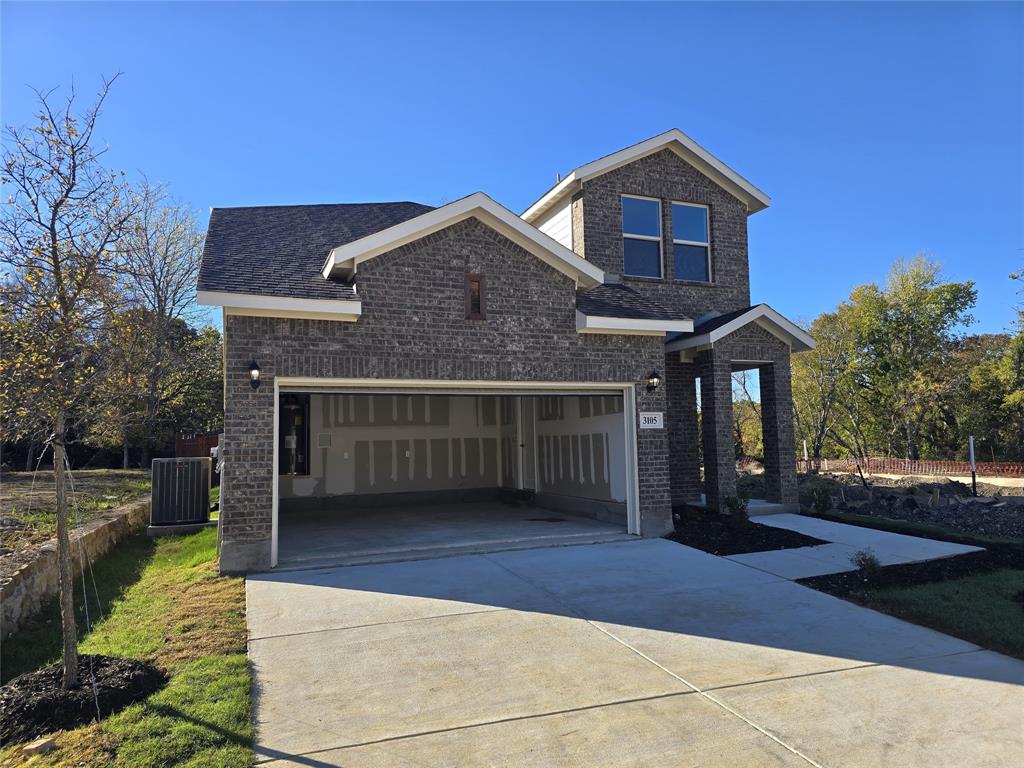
(278, 250)
(707, 330)
(345, 258)
(679, 143)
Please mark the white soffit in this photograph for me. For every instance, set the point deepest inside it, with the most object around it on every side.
(630, 326)
(796, 337)
(256, 305)
(345, 258)
(677, 141)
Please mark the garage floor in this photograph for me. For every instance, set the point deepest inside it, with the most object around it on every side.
(638, 653)
(382, 534)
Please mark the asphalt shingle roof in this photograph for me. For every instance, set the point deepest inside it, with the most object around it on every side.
(618, 300)
(711, 323)
(279, 250)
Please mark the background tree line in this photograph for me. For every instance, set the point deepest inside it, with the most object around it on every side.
(98, 303)
(895, 374)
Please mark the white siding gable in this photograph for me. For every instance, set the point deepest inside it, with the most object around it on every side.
(557, 224)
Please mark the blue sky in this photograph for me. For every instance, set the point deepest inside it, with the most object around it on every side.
(880, 130)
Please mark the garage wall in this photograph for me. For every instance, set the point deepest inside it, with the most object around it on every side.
(369, 444)
(581, 447)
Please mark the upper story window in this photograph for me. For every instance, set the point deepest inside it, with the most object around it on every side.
(691, 243)
(476, 299)
(641, 236)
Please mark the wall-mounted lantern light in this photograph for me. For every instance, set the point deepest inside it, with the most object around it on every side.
(653, 381)
(254, 375)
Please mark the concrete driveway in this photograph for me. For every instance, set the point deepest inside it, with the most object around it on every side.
(641, 653)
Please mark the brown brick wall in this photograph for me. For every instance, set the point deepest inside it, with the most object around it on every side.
(683, 432)
(750, 343)
(666, 176)
(414, 327)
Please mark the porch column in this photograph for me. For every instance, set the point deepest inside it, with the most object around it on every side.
(777, 432)
(717, 428)
(683, 434)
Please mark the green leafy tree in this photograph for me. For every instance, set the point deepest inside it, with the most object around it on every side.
(901, 333)
(821, 378)
(60, 226)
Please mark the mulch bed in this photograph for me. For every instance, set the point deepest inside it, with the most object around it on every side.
(34, 703)
(912, 574)
(724, 535)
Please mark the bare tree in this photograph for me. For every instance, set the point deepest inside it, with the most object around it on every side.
(162, 249)
(60, 227)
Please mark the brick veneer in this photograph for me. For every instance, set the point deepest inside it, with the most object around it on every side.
(666, 176)
(414, 327)
(750, 343)
(683, 432)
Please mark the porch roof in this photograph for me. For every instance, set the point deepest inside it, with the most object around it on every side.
(710, 328)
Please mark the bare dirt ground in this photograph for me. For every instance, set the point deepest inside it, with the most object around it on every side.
(27, 502)
(998, 510)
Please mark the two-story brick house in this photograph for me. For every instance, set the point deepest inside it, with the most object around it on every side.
(397, 356)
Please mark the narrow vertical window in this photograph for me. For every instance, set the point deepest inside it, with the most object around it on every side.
(476, 299)
(691, 242)
(641, 237)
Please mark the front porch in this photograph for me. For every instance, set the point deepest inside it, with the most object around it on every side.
(752, 338)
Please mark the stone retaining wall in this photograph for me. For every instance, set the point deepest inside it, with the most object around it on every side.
(36, 582)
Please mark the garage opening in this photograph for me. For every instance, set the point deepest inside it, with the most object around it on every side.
(363, 476)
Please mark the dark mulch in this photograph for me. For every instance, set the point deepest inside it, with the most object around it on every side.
(35, 703)
(724, 535)
(911, 574)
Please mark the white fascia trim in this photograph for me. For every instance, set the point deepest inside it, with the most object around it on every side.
(766, 317)
(631, 326)
(282, 306)
(347, 257)
(755, 199)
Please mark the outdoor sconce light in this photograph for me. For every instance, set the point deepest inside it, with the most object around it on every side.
(653, 381)
(254, 375)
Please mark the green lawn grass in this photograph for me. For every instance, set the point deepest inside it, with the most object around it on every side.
(163, 602)
(985, 609)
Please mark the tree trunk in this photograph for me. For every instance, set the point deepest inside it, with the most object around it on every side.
(29, 456)
(124, 454)
(67, 595)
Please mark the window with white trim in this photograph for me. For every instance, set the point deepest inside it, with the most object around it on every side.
(641, 236)
(691, 242)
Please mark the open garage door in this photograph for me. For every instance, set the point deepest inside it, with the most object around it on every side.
(366, 475)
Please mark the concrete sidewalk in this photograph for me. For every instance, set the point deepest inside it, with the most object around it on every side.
(845, 541)
(642, 653)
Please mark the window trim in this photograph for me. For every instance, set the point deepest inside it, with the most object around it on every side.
(482, 280)
(649, 238)
(706, 245)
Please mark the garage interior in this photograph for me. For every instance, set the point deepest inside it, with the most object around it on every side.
(366, 477)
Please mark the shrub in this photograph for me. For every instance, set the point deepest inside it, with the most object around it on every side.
(866, 561)
(737, 508)
(822, 499)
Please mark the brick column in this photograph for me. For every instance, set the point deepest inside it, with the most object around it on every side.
(717, 428)
(777, 432)
(683, 434)
(653, 468)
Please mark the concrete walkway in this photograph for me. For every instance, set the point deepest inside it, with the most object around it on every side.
(804, 562)
(642, 653)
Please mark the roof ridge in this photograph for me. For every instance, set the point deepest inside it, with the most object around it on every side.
(317, 205)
